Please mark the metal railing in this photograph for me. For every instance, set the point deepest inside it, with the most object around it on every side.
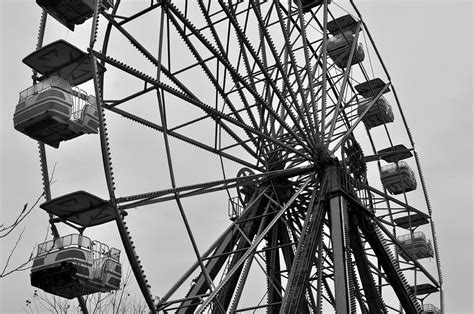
(100, 250)
(79, 97)
(50, 82)
(79, 100)
(430, 308)
(395, 166)
(234, 208)
(415, 236)
(71, 240)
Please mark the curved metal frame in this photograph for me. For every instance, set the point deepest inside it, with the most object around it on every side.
(281, 103)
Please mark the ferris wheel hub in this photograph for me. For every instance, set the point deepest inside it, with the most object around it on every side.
(323, 157)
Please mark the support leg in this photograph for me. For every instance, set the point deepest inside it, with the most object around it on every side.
(342, 290)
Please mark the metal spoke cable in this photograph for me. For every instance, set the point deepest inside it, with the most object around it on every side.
(242, 36)
(324, 74)
(302, 115)
(216, 114)
(308, 66)
(215, 83)
(177, 198)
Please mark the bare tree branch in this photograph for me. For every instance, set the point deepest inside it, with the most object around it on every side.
(20, 267)
(5, 231)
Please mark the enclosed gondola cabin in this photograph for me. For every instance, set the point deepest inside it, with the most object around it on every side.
(72, 12)
(398, 178)
(380, 111)
(378, 114)
(343, 24)
(339, 49)
(416, 244)
(73, 266)
(52, 111)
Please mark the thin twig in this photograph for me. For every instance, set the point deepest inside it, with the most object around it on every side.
(7, 230)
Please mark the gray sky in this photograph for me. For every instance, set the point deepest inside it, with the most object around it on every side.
(427, 47)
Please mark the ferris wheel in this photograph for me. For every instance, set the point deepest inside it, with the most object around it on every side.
(292, 103)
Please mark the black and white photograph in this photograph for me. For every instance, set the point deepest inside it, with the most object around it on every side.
(236, 156)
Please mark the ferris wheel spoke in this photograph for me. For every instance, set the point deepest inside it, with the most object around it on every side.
(148, 79)
(215, 114)
(345, 80)
(149, 56)
(287, 86)
(306, 47)
(213, 79)
(208, 187)
(186, 139)
(110, 103)
(267, 112)
(225, 52)
(254, 71)
(356, 123)
(136, 15)
(273, 68)
(385, 197)
(177, 13)
(219, 53)
(246, 43)
(324, 71)
(298, 72)
(184, 218)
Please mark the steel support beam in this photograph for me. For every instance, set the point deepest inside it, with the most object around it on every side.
(374, 300)
(337, 206)
(214, 265)
(407, 301)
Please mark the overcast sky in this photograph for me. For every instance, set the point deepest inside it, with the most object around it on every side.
(427, 47)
